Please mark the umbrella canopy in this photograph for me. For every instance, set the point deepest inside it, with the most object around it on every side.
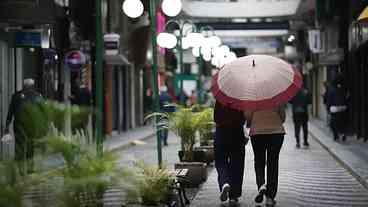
(256, 82)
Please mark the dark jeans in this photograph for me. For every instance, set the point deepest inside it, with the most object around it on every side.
(24, 152)
(229, 158)
(298, 125)
(164, 133)
(268, 145)
(338, 124)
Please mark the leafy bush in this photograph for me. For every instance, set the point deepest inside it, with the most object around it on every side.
(205, 125)
(153, 185)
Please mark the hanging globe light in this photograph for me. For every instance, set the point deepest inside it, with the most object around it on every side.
(133, 8)
(207, 57)
(166, 40)
(196, 52)
(171, 7)
(185, 43)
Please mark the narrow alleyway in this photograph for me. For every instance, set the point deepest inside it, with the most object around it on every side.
(308, 177)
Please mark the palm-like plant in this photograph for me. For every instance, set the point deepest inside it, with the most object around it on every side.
(205, 125)
(86, 176)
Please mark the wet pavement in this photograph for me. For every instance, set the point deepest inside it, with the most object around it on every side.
(309, 177)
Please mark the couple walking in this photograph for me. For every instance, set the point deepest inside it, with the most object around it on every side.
(267, 136)
(251, 90)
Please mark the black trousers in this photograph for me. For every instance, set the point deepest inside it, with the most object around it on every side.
(298, 124)
(229, 158)
(267, 148)
(338, 124)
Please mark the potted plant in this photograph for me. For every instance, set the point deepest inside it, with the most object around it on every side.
(185, 123)
(205, 129)
(153, 186)
(85, 175)
(14, 185)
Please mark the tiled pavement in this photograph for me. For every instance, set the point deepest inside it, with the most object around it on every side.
(308, 178)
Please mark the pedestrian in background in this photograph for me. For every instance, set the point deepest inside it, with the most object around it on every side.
(337, 105)
(24, 146)
(326, 85)
(300, 105)
(229, 152)
(165, 101)
(267, 136)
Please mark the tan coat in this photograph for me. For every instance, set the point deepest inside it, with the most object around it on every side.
(266, 121)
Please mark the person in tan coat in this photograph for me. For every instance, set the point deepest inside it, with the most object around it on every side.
(267, 136)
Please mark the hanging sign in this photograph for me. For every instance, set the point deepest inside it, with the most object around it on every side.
(112, 42)
(315, 41)
(75, 60)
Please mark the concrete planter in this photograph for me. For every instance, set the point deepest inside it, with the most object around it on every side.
(197, 173)
(209, 153)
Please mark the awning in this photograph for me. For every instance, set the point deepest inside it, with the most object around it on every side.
(116, 60)
(363, 17)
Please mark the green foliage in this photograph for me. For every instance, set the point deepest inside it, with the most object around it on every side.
(14, 185)
(37, 119)
(153, 184)
(86, 176)
(185, 123)
(206, 124)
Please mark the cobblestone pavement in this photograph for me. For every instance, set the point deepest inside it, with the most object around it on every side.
(308, 178)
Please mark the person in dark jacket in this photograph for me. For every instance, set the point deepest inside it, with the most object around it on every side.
(229, 152)
(23, 143)
(300, 115)
(165, 100)
(337, 105)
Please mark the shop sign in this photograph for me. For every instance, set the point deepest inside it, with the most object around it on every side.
(28, 39)
(112, 42)
(315, 41)
(75, 60)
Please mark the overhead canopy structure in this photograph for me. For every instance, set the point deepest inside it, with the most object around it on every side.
(363, 17)
(241, 8)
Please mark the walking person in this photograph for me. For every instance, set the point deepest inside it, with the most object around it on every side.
(300, 105)
(267, 136)
(23, 143)
(165, 100)
(229, 152)
(337, 105)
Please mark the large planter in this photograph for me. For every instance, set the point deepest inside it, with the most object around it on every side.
(209, 153)
(198, 156)
(197, 173)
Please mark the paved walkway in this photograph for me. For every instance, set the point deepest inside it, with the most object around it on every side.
(353, 153)
(308, 178)
(124, 139)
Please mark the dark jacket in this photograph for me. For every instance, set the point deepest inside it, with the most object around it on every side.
(165, 99)
(300, 103)
(336, 97)
(227, 117)
(18, 103)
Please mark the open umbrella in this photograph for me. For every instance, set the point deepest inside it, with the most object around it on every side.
(256, 82)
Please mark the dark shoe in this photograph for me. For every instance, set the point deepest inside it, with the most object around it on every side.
(306, 144)
(224, 195)
(259, 198)
(234, 202)
(270, 202)
(298, 145)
